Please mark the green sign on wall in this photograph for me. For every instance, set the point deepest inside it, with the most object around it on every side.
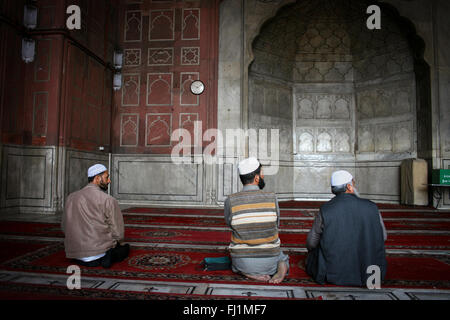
(440, 176)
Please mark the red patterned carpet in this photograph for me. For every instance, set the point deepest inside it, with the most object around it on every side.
(178, 233)
(184, 264)
(169, 245)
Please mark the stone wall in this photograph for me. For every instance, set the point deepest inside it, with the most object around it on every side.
(352, 96)
(28, 179)
(361, 100)
(341, 97)
(76, 166)
(37, 179)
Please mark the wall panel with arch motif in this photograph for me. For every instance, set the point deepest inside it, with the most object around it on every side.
(167, 45)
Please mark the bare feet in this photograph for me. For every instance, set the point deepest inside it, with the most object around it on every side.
(259, 277)
(281, 273)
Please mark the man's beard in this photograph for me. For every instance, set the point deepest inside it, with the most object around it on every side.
(103, 186)
(356, 193)
(261, 183)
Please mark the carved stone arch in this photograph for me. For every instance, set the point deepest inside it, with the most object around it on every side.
(340, 97)
(264, 12)
(423, 81)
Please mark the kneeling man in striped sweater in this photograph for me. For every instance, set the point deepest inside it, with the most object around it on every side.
(254, 218)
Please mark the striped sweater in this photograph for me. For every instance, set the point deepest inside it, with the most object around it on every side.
(253, 217)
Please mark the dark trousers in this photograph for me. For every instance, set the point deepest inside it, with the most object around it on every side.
(116, 254)
(312, 263)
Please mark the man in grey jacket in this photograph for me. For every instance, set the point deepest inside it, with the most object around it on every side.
(93, 223)
(346, 238)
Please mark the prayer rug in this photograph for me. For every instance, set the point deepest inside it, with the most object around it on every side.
(424, 212)
(317, 204)
(168, 245)
(10, 249)
(203, 211)
(184, 264)
(221, 237)
(285, 223)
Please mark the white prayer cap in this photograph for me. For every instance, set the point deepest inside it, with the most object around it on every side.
(248, 165)
(95, 170)
(341, 177)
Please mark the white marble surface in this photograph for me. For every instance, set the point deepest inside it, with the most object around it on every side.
(237, 291)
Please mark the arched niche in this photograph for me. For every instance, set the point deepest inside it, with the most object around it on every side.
(344, 82)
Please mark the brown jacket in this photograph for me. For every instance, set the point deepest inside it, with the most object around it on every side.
(92, 222)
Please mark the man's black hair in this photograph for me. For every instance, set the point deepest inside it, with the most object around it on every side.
(250, 177)
(90, 179)
(337, 190)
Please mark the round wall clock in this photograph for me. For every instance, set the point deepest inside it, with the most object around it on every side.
(197, 87)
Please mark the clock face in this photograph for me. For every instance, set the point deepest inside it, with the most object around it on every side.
(197, 87)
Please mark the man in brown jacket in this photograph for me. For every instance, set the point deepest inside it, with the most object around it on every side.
(93, 223)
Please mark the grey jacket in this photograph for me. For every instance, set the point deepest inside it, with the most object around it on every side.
(346, 239)
(313, 239)
(92, 222)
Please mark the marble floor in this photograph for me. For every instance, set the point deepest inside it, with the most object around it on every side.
(233, 291)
